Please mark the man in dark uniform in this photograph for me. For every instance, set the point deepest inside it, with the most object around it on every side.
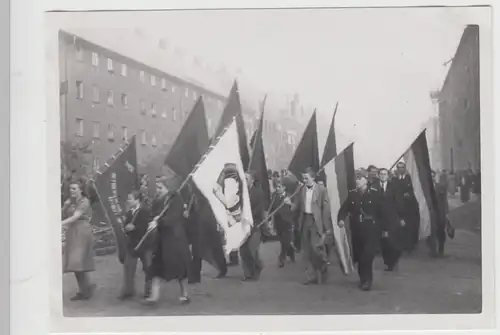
(438, 234)
(391, 225)
(283, 222)
(366, 213)
(249, 251)
(407, 207)
(136, 224)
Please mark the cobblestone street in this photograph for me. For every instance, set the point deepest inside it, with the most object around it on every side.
(421, 285)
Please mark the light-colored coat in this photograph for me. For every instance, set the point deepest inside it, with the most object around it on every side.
(320, 208)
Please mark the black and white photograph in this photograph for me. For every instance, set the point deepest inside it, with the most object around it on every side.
(278, 162)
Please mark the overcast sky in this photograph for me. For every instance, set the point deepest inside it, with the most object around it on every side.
(379, 64)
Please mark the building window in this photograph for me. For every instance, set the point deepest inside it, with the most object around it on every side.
(143, 137)
(143, 106)
(95, 59)
(124, 100)
(124, 70)
(79, 53)
(186, 93)
(153, 140)
(209, 124)
(195, 96)
(111, 132)
(219, 104)
(124, 133)
(95, 94)
(79, 89)
(142, 76)
(174, 114)
(153, 109)
(163, 84)
(164, 114)
(79, 127)
(110, 65)
(173, 89)
(152, 80)
(95, 129)
(111, 98)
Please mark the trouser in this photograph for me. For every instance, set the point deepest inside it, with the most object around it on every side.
(250, 258)
(366, 238)
(285, 237)
(314, 255)
(233, 258)
(411, 232)
(437, 239)
(129, 269)
(390, 254)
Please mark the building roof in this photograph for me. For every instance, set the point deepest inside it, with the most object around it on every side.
(470, 32)
(131, 60)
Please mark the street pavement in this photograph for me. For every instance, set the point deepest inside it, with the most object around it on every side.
(421, 285)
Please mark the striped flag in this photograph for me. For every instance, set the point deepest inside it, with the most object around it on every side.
(220, 177)
(419, 168)
(339, 181)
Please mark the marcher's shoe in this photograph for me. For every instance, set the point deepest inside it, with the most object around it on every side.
(90, 292)
(311, 282)
(194, 281)
(366, 286)
(281, 264)
(258, 271)
(125, 296)
(77, 297)
(389, 269)
(221, 274)
(184, 300)
(247, 279)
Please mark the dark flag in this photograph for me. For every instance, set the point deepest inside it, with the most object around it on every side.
(340, 173)
(189, 147)
(191, 143)
(259, 166)
(113, 186)
(419, 168)
(306, 154)
(231, 111)
(331, 142)
(330, 147)
(258, 158)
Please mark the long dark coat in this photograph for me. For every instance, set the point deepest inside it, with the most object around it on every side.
(172, 257)
(390, 223)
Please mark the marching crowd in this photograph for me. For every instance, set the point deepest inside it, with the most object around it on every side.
(381, 213)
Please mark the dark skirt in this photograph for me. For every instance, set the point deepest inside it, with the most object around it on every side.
(172, 257)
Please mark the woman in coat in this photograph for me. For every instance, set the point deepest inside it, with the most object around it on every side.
(172, 257)
(78, 252)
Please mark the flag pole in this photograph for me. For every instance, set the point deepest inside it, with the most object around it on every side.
(184, 183)
(263, 103)
(397, 161)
